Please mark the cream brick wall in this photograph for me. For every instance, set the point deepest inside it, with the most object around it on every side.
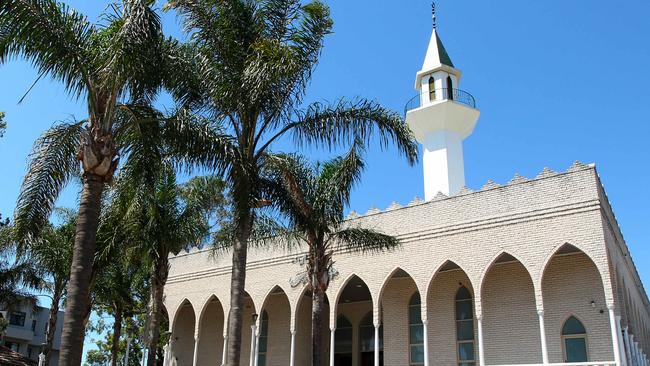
(530, 220)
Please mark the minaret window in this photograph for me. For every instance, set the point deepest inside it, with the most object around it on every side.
(450, 89)
(432, 89)
(465, 327)
(574, 340)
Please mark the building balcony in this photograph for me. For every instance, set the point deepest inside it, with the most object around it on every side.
(440, 95)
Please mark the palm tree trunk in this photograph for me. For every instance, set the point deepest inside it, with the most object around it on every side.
(237, 287)
(51, 323)
(117, 332)
(72, 337)
(317, 312)
(158, 281)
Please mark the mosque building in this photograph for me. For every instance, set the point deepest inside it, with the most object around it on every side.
(532, 272)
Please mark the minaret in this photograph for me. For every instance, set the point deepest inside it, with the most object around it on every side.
(441, 116)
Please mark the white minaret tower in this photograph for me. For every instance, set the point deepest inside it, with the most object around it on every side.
(441, 116)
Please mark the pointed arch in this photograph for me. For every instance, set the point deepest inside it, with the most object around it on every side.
(440, 314)
(506, 283)
(344, 285)
(396, 293)
(274, 319)
(574, 340)
(183, 333)
(573, 286)
(183, 303)
(211, 326)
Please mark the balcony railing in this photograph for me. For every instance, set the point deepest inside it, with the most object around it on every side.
(440, 95)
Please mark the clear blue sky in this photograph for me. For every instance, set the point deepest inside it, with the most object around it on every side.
(556, 81)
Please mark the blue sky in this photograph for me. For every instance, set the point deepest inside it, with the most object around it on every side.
(556, 81)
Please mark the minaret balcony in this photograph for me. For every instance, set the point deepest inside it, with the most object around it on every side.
(438, 96)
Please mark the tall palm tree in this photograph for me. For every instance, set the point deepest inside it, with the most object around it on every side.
(247, 67)
(312, 197)
(166, 220)
(51, 253)
(101, 64)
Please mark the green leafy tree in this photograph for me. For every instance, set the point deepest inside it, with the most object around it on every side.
(313, 197)
(99, 63)
(248, 66)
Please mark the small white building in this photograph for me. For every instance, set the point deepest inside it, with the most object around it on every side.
(534, 271)
(27, 329)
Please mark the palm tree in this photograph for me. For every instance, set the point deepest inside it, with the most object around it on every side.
(313, 198)
(51, 253)
(120, 289)
(160, 217)
(101, 64)
(247, 67)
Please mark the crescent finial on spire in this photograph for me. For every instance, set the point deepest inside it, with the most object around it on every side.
(433, 13)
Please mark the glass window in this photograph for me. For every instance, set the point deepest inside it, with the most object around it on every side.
(17, 318)
(416, 331)
(263, 342)
(432, 89)
(465, 327)
(574, 341)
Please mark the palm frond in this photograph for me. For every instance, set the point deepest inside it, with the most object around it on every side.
(53, 162)
(359, 239)
(52, 36)
(348, 121)
(134, 51)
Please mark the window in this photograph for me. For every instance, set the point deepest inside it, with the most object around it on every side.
(574, 341)
(465, 327)
(343, 342)
(450, 89)
(33, 325)
(13, 346)
(264, 337)
(416, 332)
(432, 89)
(17, 318)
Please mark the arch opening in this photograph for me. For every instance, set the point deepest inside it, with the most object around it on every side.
(354, 304)
(274, 342)
(572, 287)
(182, 341)
(509, 307)
(211, 340)
(442, 293)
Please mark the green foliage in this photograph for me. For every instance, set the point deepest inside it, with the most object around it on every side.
(132, 328)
